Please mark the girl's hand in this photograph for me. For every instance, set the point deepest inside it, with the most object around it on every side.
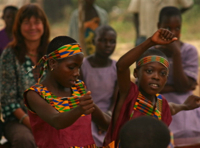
(192, 102)
(163, 36)
(86, 103)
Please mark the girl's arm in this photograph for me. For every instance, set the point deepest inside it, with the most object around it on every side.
(190, 103)
(100, 118)
(52, 116)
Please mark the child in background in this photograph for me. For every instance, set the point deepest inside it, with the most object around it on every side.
(98, 72)
(60, 108)
(9, 13)
(151, 71)
(144, 132)
(183, 73)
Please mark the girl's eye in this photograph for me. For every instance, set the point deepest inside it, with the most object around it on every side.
(149, 71)
(71, 67)
(163, 73)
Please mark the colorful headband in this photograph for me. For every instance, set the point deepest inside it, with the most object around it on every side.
(60, 53)
(153, 58)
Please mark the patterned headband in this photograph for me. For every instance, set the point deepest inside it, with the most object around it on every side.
(60, 53)
(153, 58)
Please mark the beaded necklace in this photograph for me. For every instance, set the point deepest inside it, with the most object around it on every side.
(145, 106)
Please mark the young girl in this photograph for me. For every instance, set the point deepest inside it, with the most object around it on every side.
(59, 106)
(143, 99)
(183, 73)
(98, 72)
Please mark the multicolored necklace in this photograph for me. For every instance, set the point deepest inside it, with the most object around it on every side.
(146, 107)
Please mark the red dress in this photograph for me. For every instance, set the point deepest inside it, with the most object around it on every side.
(46, 136)
(126, 112)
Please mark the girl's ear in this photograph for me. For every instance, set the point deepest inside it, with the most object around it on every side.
(52, 63)
(135, 73)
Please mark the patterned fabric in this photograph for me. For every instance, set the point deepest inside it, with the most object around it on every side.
(13, 82)
(80, 131)
(153, 58)
(62, 52)
(145, 106)
(61, 104)
(90, 146)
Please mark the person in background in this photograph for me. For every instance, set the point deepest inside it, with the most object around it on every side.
(9, 13)
(145, 15)
(183, 73)
(144, 132)
(98, 71)
(30, 40)
(94, 17)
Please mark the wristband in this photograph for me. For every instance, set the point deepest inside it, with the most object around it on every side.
(22, 118)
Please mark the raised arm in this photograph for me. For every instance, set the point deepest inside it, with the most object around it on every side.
(162, 36)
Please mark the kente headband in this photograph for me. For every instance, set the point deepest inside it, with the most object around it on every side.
(60, 53)
(153, 58)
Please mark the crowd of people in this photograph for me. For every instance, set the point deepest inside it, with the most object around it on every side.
(52, 95)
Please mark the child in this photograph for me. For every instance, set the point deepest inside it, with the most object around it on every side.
(59, 107)
(156, 133)
(9, 13)
(98, 72)
(143, 99)
(183, 73)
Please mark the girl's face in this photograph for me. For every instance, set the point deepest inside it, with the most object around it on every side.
(9, 17)
(67, 71)
(32, 29)
(151, 78)
(105, 43)
(173, 24)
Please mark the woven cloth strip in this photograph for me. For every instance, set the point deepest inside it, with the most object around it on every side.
(145, 106)
(153, 58)
(60, 53)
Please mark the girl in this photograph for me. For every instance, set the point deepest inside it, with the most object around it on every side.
(60, 108)
(30, 40)
(183, 73)
(98, 72)
(143, 99)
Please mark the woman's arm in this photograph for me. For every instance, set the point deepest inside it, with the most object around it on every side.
(190, 103)
(8, 87)
(52, 116)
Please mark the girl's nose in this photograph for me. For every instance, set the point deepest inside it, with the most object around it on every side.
(156, 75)
(77, 72)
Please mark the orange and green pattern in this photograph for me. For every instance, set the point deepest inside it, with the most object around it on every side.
(145, 106)
(60, 53)
(153, 58)
(62, 104)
